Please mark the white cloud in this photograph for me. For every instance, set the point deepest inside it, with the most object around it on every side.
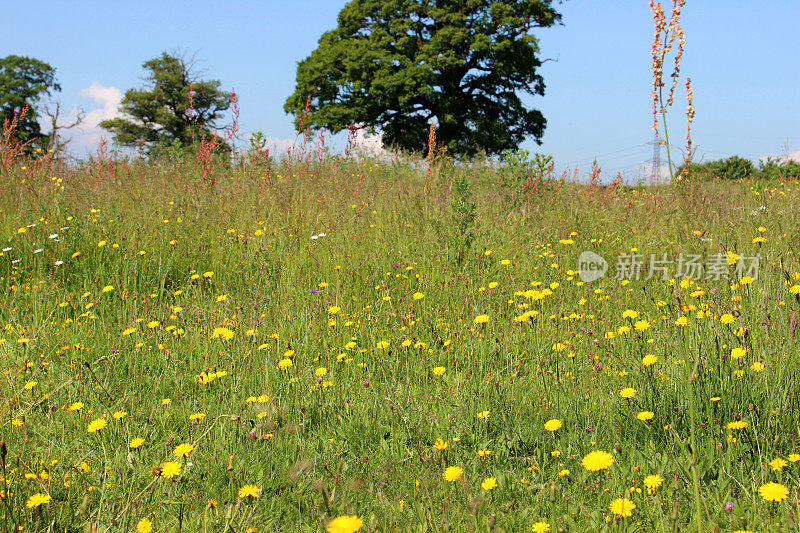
(371, 144)
(279, 146)
(108, 97)
(365, 144)
(106, 102)
(794, 156)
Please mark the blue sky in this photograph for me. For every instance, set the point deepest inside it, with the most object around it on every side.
(742, 57)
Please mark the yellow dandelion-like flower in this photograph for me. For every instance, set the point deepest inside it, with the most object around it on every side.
(622, 507)
(773, 492)
(96, 425)
(119, 415)
(553, 425)
(440, 445)
(197, 416)
(77, 406)
(170, 469)
(738, 424)
(652, 482)
(483, 415)
(136, 442)
(439, 370)
(452, 473)
(649, 359)
(144, 526)
(344, 524)
(627, 392)
(489, 483)
(225, 333)
(206, 378)
(644, 416)
(738, 353)
(597, 460)
(681, 321)
(482, 319)
(285, 364)
(182, 450)
(37, 499)
(540, 527)
(382, 345)
(249, 491)
(777, 464)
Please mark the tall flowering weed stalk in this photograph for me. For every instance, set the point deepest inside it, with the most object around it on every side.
(431, 154)
(669, 39)
(206, 145)
(11, 149)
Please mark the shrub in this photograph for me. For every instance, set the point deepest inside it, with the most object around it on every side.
(732, 168)
(777, 169)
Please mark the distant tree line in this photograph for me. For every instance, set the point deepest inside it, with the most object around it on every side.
(399, 66)
(736, 167)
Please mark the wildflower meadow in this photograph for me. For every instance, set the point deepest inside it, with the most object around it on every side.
(348, 343)
(197, 339)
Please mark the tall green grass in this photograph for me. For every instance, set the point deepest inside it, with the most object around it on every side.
(350, 427)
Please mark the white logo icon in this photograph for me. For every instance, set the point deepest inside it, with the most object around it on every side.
(591, 266)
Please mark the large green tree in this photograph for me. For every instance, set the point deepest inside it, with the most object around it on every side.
(24, 81)
(175, 107)
(398, 65)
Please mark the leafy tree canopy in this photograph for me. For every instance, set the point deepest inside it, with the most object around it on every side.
(398, 65)
(23, 83)
(174, 109)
